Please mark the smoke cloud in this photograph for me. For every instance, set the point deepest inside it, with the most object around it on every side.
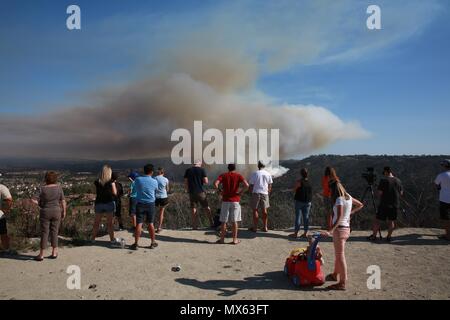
(199, 77)
(139, 120)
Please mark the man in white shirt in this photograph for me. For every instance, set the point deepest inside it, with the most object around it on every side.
(260, 187)
(5, 208)
(443, 184)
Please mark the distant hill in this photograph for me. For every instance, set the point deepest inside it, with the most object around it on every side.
(80, 165)
(416, 172)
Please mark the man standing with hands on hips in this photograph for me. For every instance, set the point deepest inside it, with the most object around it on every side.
(145, 187)
(260, 187)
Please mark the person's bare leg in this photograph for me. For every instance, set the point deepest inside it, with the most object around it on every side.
(255, 219)
(137, 233)
(133, 220)
(235, 233)
(161, 218)
(208, 213)
(98, 218)
(5, 241)
(194, 218)
(110, 224)
(391, 228)
(265, 219)
(336, 258)
(151, 231)
(120, 222)
(343, 263)
(336, 267)
(223, 231)
(376, 227)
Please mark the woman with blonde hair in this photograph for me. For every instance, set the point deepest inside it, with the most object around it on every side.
(344, 207)
(104, 202)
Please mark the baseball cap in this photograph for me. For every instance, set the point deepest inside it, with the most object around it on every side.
(446, 163)
(133, 175)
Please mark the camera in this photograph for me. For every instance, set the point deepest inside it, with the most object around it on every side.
(370, 176)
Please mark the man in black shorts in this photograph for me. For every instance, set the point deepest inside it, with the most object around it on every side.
(145, 187)
(194, 179)
(390, 190)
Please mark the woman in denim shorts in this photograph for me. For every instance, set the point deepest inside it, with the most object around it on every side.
(104, 202)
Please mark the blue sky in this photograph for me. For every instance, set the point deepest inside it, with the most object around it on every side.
(395, 82)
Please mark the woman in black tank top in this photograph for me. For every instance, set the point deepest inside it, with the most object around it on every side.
(104, 202)
(303, 199)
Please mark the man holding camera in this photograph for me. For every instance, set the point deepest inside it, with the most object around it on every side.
(390, 190)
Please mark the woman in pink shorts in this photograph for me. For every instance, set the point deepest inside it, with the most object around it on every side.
(344, 207)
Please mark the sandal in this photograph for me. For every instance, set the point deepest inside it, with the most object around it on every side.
(372, 238)
(53, 257)
(39, 258)
(336, 286)
(153, 245)
(220, 242)
(235, 243)
(134, 247)
(331, 277)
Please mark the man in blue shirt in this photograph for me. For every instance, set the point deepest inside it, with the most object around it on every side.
(145, 187)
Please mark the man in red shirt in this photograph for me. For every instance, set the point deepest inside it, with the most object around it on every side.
(231, 195)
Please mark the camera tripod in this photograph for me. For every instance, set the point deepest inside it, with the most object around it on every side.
(369, 190)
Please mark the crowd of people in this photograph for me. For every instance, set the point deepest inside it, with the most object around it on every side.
(149, 193)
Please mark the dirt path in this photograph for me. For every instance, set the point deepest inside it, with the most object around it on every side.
(415, 266)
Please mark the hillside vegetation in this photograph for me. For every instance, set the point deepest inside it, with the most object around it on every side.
(419, 206)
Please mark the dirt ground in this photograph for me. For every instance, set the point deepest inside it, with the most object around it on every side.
(415, 265)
